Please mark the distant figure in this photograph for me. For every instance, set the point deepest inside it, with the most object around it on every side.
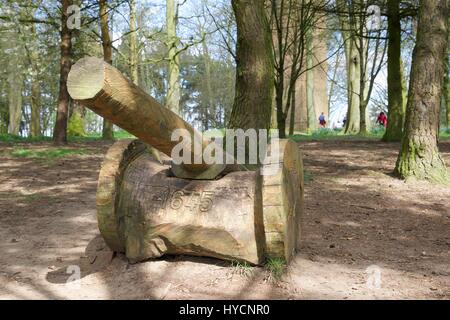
(382, 119)
(344, 121)
(322, 120)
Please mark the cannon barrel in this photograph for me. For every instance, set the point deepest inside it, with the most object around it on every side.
(103, 89)
(146, 213)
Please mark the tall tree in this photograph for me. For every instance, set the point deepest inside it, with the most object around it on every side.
(447, 84)
(419, 155)
(174, 90)
(107, 132)
(134, 57)
(292, 22)
(396, 112)
(60, 131)
(353, 65)
(254, 74)
(310, 106)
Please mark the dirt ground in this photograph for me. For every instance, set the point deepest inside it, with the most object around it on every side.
(367, 235)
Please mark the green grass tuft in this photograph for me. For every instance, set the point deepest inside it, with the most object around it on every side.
(276, 267)
(241, 268)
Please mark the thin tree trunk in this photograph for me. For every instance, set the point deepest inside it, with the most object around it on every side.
(353, 70)
(419, 155)
(35, 123)
(134, 57)
(447, 84)
(394, 130)
(363, 101)
(107, 132)
(210, 108)
(447, 98)
(281, 118)
(292, 117)
(312, 122)
(174, 90)
(60, 131)
(254, 74)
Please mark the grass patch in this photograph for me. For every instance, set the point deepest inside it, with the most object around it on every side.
(31, 197)
(445, 133)
(49, 154)
(276, 267)
(375, 133)
(8, 138)
(241, 268)
(338, 134)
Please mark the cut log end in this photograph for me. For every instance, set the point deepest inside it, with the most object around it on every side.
(86, 78)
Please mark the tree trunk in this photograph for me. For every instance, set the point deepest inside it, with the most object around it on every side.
(312, 122)
(107, 132)
(174, 90)
(60, 131)
(210, 107)
(419, 155)
(447, 93)
(292, 117)
(133, 44)
(35, 123)
(353, 69)
(447, 85)
(254, 73)
(15, 81)
(394, 130)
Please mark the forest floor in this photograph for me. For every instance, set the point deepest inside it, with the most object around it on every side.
(360, 223)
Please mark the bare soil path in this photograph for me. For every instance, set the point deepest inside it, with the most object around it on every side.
(367, 235)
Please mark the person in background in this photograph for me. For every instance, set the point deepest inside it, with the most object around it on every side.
(322, 120)
(382, 119)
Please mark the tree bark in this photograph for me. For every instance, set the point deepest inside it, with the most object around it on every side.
(35, 124)
(107, 132)
(394, 130)
(174, 90)
(353, 70)
(133, 44)
(447, 85)
(15, 82)
(254, 73)
(312, 122)
(419, 155)
(60, 131)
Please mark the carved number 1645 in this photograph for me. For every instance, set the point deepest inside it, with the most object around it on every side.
(195, 201)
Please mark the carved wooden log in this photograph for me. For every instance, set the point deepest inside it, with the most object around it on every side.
(145, 212)
(102, 88)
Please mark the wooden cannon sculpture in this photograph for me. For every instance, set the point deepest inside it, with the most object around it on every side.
(147, 207)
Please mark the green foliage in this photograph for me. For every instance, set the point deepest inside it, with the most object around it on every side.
(241, 268)
(75, 127)
(53, 153)
(276, 267)
(445, 133)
